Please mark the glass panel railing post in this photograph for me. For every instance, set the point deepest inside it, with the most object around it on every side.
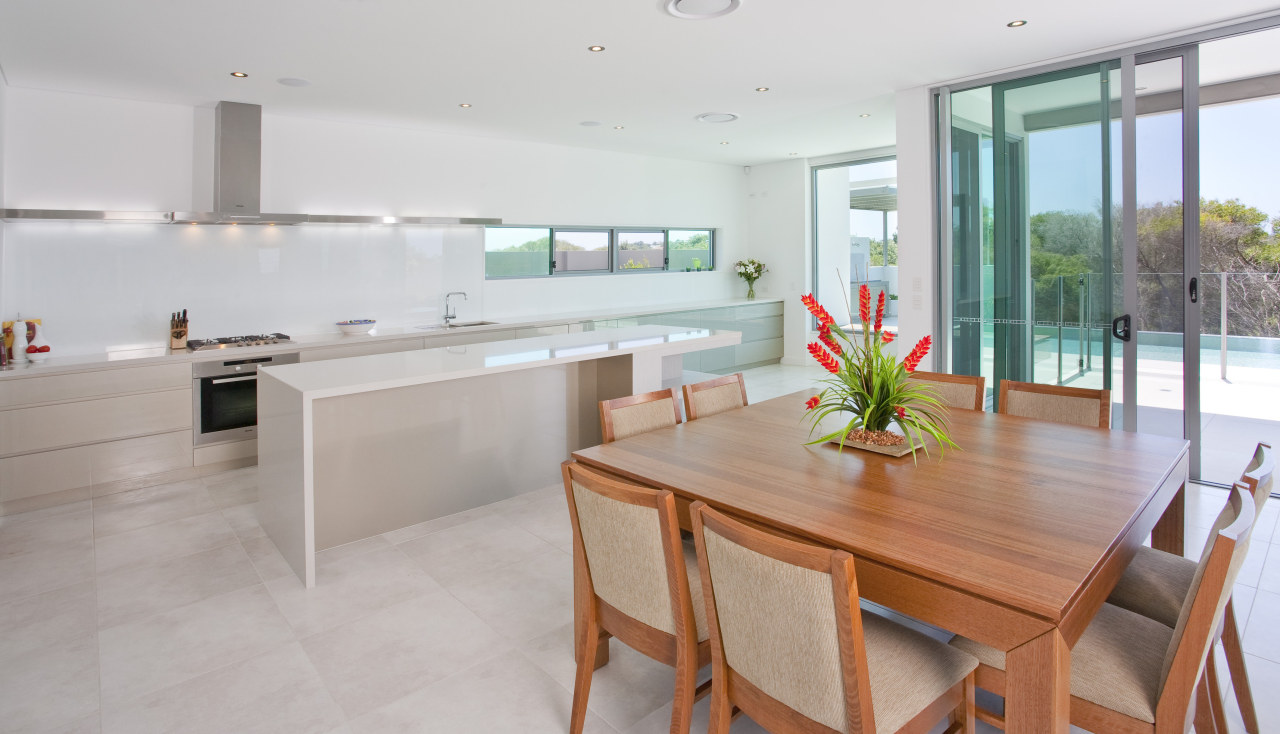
(1081, 319)
(1060, 315)
(1222, 349)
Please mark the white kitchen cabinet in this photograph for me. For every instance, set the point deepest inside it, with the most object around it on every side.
(360, 350)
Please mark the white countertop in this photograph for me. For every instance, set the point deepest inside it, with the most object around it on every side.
(162, 355)
(352, 375)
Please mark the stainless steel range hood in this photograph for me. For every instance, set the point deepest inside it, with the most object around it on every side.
(237, 197)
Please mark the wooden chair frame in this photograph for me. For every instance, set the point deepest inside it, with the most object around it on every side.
(689, 390)
(1188, 675)
(978, 381)
(729, 689)
(1256, 479)
(1102, 396)
(608, 406)
(599, 620)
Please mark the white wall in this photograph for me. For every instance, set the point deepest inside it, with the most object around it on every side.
(779, 225)
(835, 253)
(99, 286)
(916, 221)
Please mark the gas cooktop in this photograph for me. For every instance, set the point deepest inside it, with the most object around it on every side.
(248, 340)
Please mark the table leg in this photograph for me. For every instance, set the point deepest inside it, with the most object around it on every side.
(1038, 686)
(1168, 532)
(580, 610)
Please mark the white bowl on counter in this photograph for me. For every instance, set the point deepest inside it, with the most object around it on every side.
(357, 326)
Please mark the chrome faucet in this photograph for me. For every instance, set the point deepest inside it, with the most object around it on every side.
(449, 314)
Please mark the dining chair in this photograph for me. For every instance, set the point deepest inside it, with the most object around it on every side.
(1130, 673)
(1155, 583)
(1074, 405)
(638, 582)
(791, 648)
(956, 391)
(703, 399)
(624, 417)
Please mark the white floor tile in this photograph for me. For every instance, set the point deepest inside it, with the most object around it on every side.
(161, 542)
(350, 589)
(34, 622)
(379, 658)
(141, 591)
(523, 600)
(165, 649)
(50, 687)
(274, 692)
(119, 513)
(504, 694)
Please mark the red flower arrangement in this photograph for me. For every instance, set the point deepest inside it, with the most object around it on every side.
(870, 384)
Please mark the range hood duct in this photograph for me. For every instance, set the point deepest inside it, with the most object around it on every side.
(237, 187)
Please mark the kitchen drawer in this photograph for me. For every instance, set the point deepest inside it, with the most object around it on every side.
(754, 330)
(680, 318)
(453, 339)
(24, 430)
(45, 472)
(714, 360)
(360, 350)
(542, 331)
(21, 391)
(60, 470)
(769, 350)
(757, 310)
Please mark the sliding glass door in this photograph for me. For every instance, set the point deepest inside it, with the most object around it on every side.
(1069, 239)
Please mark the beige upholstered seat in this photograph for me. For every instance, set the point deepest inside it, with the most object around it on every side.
(707, 398)
(791, 648)
(1156, 583)
(635, 580)
(625, 417)
(1074, 405)
(1132, 673)
(956, 391)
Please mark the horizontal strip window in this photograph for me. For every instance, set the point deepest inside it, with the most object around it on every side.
(537, 252)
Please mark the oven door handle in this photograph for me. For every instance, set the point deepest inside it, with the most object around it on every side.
(237, 378)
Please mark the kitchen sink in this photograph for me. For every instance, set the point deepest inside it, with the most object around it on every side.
(454, 325)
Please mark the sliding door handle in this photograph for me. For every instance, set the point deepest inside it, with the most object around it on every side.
(1194, 290)
(1120, 328)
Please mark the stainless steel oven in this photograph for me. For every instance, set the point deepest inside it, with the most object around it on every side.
(225, 396)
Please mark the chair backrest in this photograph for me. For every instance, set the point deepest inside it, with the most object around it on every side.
(707, 398)
(956, 391)
(1074, 405)
(1206, 599)
(625, 417)
(784, 616)
(630, 538)
(1259, 475)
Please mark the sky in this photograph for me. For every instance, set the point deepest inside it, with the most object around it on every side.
(1239, 158)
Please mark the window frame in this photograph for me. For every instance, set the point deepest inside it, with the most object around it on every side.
(614, 267)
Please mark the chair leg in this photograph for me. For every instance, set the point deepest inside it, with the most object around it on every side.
(1215, 692)
(1239, 674)
(586, 666)
(962, 718)
(685, 693)
(1204, 723)
(721, 710)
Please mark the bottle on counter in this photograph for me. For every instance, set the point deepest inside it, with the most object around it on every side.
(20, 342)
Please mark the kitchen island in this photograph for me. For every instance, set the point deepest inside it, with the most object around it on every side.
(352, 448)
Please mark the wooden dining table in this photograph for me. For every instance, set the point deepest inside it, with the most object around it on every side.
(1014, 539)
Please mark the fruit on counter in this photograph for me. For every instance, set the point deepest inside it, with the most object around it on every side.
(44, 348)
(32, 349)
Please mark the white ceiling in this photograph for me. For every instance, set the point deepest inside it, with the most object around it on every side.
(525, 68)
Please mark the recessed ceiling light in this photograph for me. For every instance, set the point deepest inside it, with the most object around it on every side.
(716, 117)
(617, 127)
(290, 81)
(724, 142)
(595, 49)
(1016, 23)
(589, 123)
(465, 104)
(762, 89)
(865, 114)
(793, 154)
(1139, 89)
(701, 9)
(239, 74)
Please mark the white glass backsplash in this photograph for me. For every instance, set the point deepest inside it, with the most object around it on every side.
(112, 286)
